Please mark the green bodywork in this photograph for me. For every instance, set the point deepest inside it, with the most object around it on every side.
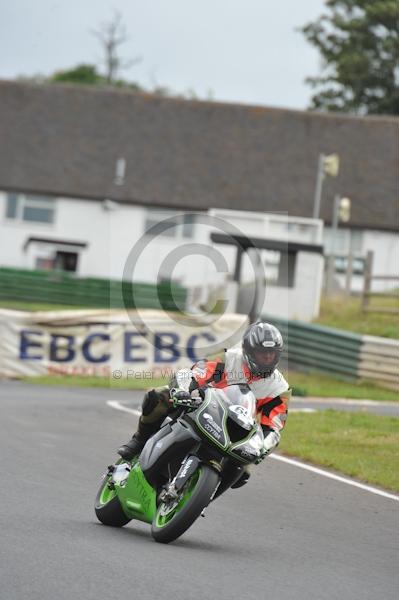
(137, 497)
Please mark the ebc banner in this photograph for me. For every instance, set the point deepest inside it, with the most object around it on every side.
(142, 343)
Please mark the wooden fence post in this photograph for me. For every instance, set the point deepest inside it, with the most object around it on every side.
(349, 273)
(368, 275)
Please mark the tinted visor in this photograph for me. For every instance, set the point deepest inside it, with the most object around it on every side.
(265, 358)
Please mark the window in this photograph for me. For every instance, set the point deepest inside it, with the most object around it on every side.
(39, 214)
(341, 265)
(343, 244)
(11, 209)
(44, 264)
(181, 225)
(53, 256)
(36, 209)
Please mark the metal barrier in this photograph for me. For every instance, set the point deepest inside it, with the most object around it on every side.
(58, 287)
(339, 353)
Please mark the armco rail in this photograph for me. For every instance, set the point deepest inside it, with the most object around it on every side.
(55, 287)
(336, 352)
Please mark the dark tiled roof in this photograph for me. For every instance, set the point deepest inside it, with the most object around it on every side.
(65, 140)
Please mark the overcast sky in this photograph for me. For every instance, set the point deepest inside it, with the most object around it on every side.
(242, 50)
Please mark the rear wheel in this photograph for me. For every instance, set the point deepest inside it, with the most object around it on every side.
(173, 518)
(107, 507)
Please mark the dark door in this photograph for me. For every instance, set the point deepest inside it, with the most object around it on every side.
(66, 261)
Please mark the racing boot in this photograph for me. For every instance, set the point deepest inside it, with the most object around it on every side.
(135, 445)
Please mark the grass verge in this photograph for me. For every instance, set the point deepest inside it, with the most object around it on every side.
(359, 445)
(37, 306)
(98, 382)
(312, 384)
(317, 384)
(345, 313)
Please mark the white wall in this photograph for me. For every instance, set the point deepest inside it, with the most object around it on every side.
(127, 236)
(385, 246)
(281, 226)
(75, 221)
(303, 300)
(112, 230)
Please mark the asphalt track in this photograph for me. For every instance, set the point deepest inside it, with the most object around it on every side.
(289, 534)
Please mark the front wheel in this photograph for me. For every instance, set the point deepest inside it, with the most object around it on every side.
(173, 518)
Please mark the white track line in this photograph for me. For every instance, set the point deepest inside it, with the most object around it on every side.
(118, 406)
(343, 401)
(295, 463)
(362, 486)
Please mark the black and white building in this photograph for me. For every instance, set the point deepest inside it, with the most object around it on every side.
(86, 172)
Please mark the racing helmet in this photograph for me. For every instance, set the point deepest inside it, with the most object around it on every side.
(262, 345)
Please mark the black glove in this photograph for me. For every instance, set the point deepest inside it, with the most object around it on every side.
(180, 397)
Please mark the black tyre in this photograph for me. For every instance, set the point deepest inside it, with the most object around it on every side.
(107, 507)
(173, 519)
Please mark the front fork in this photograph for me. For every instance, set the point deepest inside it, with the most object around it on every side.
(187, 469)
(172, 490)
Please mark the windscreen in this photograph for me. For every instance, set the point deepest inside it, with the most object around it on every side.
(237, 395)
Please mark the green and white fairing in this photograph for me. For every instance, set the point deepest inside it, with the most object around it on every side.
(227, 418)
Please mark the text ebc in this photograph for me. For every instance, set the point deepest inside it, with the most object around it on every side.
(167, 347)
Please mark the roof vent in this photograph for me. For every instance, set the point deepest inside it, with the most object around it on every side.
(120, 170)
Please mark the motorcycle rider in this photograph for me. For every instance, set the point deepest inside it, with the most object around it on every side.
(253, 362)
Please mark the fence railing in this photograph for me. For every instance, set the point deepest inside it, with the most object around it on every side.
(58, 287)
(339, 353)
(369, 277)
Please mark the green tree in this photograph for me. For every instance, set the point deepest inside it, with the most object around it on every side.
(89, 75)
(359, 44)
(80, 74)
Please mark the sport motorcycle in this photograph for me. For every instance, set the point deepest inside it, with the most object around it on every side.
(199, 452)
